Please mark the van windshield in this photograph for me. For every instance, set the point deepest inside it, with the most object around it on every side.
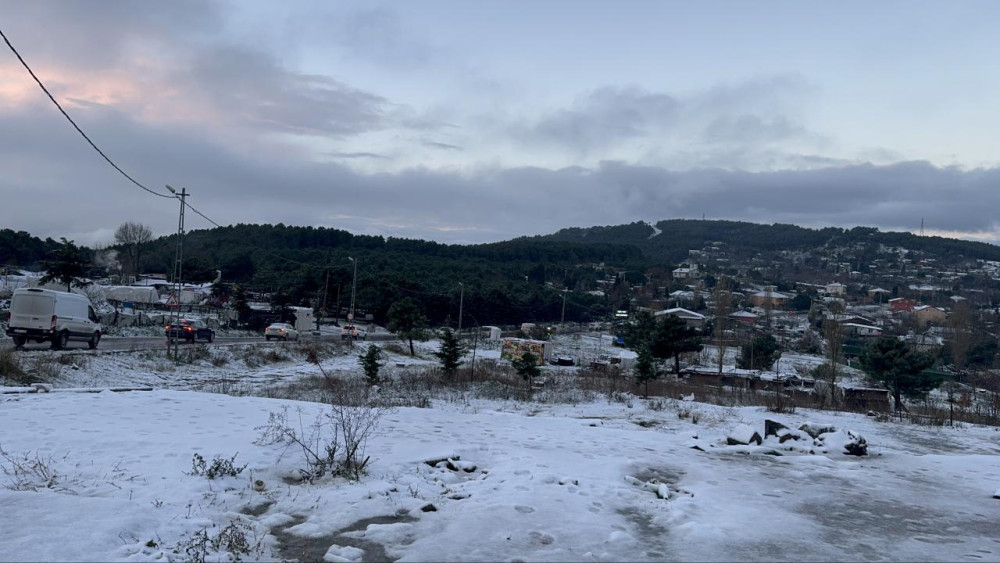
(26, 304)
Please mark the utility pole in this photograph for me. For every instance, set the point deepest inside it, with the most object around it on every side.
(354, 286)
(461, 301)
(562, 318)
(179, 260)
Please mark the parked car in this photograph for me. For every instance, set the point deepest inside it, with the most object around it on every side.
(281, 331)
(55, 316)
(190, 330)
(352, 332)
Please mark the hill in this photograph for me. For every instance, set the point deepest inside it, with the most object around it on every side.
(671, 239)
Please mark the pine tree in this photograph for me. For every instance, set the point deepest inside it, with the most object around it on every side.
(68, 266)
(646, 369)
(889, 361)
(451, 352)
(370, 363)
(405, 319)
(527, 367)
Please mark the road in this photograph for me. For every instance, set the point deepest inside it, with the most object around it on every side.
(119, 343)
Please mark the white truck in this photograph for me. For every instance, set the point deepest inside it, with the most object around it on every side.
(53, 316)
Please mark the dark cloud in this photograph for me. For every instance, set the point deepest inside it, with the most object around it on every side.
(443, 146)
(602, 118)
(253, 87)
(358, 155)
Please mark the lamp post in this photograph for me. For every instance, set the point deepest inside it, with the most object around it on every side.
(179, 260)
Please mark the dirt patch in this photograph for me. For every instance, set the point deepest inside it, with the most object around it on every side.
(299, 548)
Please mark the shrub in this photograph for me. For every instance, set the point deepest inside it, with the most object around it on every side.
(220, 467)
(45, 367)
(10, 367)
(235, 541)
(334, 443)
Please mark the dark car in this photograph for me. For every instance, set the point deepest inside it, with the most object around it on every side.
(190, 330)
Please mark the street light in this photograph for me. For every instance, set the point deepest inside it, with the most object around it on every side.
(179, 259)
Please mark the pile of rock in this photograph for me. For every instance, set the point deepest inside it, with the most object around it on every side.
(811, 438)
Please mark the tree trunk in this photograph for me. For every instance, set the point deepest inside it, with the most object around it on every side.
(897, 400)
(677, 365)
(411, 346)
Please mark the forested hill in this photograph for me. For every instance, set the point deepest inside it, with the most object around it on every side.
(678, 236)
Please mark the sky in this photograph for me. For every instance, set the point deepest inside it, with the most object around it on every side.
(476, 122)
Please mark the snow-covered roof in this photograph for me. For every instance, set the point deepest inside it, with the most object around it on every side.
(680, 312)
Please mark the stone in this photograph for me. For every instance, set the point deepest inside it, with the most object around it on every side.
(743, 435)
(771, 427)
(814, 430)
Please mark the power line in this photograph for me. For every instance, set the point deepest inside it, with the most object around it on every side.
(191, 207)
(77, 127)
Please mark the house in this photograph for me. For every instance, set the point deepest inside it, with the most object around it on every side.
(925, 315)
(857, 330)
(690, 318)
(769, 296)
(878, 294)
(835, 288)
(744, 317)
(686, 272)
(902, 305)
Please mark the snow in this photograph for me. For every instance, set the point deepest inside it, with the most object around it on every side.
(602, 480)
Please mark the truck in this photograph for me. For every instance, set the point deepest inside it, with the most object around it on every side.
(44, 315)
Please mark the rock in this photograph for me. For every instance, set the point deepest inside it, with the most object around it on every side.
(771, 427)
(847, 442)
(786, 435)
(857, 445)
(428, 508)
(815, 430)
(996, 494)
(743, 435)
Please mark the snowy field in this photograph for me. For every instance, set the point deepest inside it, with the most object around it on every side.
(110, 476)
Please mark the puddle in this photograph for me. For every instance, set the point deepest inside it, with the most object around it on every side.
(298, 548)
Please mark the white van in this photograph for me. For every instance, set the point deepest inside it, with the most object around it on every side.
(55, 316)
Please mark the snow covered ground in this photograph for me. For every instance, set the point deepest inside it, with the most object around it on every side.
(110, 476)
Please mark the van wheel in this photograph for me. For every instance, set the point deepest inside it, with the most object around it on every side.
(60, 340)
(92, 343)
(211, 337)
(19, 341)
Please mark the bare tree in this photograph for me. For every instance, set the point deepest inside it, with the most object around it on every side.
(723, 299)
(833, 331)
(961, 324)
(133, 236)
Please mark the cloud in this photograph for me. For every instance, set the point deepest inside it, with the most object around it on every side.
(755, 124)
(443, 146)
(602, 118)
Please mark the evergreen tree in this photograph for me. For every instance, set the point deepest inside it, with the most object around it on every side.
(451, 352)
(672, 338)
(370, 363)
(759, 354)
(891, 362)
(527, 367)
(241, 305)
(68, 265)
(646, 369)
(406, 320)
